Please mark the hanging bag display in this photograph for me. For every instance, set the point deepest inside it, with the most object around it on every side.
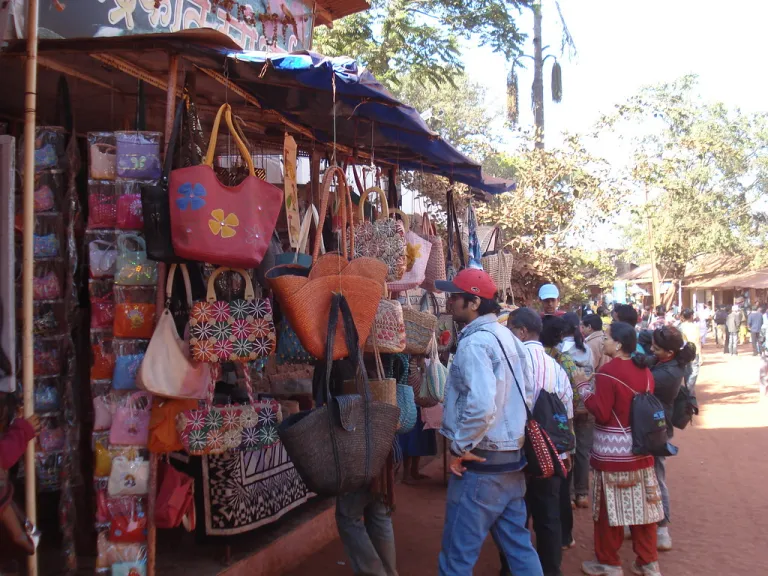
(435, 377)
(130, 423)
(341, 445)
(155, 205)
(175, 498)
(383, 239)
(420, 325)
(388, 328)
(128, 477)
(102, 258)
(305, 295)
(132, 267)
(231, 331)
(454, 236)
(405, 396)
(435, 269)
(497, 263)
(167, 369)
(300, 257)
(138, 155)
(417, 251)
(211, 222)
(216, 429)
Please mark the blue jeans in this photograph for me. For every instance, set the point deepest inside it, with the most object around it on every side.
(365, 528)
(479, 503)
(659, 464)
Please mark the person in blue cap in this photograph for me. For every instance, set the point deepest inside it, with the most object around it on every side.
(550, 300)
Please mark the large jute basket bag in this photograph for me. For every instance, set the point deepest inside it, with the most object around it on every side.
(305, 295)
(496, 262)
(420, 326)
(341, 446)
(435, 269)
(389, 328)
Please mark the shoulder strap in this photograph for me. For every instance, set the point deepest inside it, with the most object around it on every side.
(517, 384)
(648, 387)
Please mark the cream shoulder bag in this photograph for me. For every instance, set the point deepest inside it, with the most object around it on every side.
(167, 369)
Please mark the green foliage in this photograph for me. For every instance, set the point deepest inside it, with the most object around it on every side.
(421, 37)
(705, 167)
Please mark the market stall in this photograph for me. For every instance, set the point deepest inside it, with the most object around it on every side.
(183, 193)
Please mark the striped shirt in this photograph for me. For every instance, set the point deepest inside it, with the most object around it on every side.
(547, 375)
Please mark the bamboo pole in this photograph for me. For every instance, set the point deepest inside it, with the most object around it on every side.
(28, 382)
(170, 109)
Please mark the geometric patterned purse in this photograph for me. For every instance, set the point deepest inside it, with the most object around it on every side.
(238, 331)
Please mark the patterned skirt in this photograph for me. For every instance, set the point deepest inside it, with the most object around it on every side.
(631, 498)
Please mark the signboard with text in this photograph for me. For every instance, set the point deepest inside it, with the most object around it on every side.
(276, 25)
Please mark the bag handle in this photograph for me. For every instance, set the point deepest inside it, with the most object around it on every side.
(376, 354)
(324, 195)
(168, 160)
(169, 284)
(211, 294)
(494, 236)
(403, 215)
(384, 214)
(122, 243)
(306, 225)
(226, 109)
(634, 393)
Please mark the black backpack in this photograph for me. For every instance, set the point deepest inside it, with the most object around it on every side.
(684, 409)
(549, 411)
(648, 422)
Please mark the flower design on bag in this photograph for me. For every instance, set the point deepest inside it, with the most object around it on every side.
(223, 349)
(197, 439)
(248, 418)
(201, 312)
(267, 416)
(241, 329)
(191, 196)
(261, 308)
(261, 327)
(196, 420)
(215, 440)
(238, 309)
(224, 225)
(214, 419)
(220, 311)
(267, 436)
(250, 437)
(201, 332)
(232, 439)
(203, 351)
(221, 331)
(231, 419)
(241, 349)
(262, 347)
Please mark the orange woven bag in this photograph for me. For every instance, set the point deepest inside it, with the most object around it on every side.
(305, 296)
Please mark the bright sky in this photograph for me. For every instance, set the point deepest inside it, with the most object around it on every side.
(624, 45)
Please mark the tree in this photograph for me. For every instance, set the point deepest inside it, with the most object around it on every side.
(396, 38)
(706, 167)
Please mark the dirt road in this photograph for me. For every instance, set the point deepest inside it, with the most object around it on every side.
(717, 485)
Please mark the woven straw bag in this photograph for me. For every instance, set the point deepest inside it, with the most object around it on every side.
(343, 445)
(383, 239)
(416, 374)
(420, 326)
(305, 295)
(435, 269)
(382, 389)
(497, 263)
(417, 256)
(389, 328)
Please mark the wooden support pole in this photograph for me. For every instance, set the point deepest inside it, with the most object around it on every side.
(170, 110)
(27, 354)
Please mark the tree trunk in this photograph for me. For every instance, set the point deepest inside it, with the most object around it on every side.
(538, 76)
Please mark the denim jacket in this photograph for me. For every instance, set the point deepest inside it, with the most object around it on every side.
(483, 408)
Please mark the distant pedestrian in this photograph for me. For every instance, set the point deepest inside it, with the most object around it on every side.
(692, 334)
(705, 317)
(484, 421)
(755, 325)
(733, 324)
(626, 489)
(594, 337)
(721, 333)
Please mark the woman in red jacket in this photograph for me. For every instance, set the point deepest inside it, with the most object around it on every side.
(626, 491)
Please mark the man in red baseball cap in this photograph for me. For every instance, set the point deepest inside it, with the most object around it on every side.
(484, 420)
